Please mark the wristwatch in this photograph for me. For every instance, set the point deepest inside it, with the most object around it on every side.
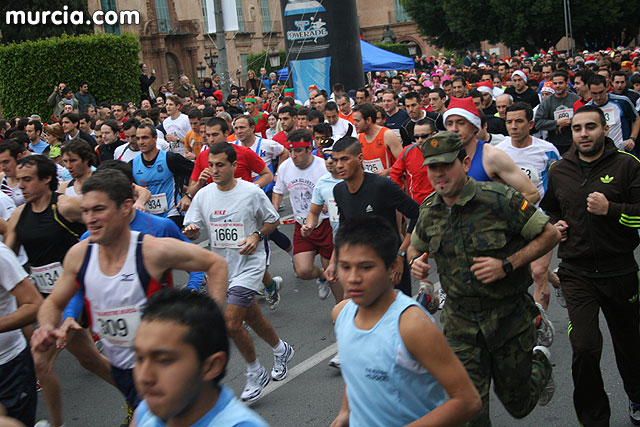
(402, 253)
(507, 266)
(260, 235)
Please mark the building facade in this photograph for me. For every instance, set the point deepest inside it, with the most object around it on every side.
(175, 41)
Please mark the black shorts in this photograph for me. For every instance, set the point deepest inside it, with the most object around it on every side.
(18, 388)
(124, 381)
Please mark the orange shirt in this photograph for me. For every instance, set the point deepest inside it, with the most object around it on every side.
(375, 154)
(348, 118)
(193, 141)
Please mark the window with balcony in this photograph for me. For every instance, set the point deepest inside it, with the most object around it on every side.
(164, 19)
(267, 23)
(401, 14)
(242, 27)
(107, 6)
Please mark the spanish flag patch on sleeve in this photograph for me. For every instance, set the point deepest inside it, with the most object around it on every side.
(524, 205)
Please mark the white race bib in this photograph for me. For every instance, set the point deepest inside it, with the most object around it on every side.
(372, 165)
(610, 115)
(533, 175)
(157, 204)
(397, 132)
(45, 276)
(564, 113)
(117, 325)
(227, 234)
(332, 207)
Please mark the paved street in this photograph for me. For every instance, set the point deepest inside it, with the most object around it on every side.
(312, 393)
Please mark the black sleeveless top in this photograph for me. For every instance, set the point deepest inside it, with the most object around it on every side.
(47, 236)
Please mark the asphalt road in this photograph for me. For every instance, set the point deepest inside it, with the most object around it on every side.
(312, 392)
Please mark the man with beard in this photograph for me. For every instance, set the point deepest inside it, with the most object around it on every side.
(597, 188)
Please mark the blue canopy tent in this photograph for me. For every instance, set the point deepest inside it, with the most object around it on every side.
(373, 59)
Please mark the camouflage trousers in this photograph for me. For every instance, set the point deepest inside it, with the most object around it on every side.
(519, 375)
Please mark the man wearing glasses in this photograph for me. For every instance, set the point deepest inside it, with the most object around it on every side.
(409, 165)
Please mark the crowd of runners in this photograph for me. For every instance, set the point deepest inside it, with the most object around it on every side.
(484, 166)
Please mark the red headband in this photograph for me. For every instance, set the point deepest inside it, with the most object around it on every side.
(298, 144)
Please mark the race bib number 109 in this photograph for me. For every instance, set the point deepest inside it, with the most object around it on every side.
(117, 325)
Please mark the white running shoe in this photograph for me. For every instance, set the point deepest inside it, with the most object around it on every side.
(42, 423)
(546, 331)
(273, 297)
(324, 290)
(550, 388)
(279, 371)
(256, 382)
(335, 361)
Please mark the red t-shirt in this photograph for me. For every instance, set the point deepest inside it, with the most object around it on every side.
(261, 123)
(248, 161)
(280, 137)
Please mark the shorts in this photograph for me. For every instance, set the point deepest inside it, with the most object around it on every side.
(124, 381)
(320, 240)
(18, 387)
(241, 296)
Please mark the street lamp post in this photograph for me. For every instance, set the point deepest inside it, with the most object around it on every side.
(412, 47)
(212, 61)
(274, 58)
(202, 71)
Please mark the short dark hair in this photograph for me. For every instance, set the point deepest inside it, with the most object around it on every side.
(224, 148)
(349, 144)
(441, 93)
(330, 106)
(112, 182)
(371, 231)
(14, 148)
(413, 95)
(302, 111)
(338, 87)
(585, 75)
(522, 106)
(112, 124)
(592, 109)
(194, 113)
(367, 110)
(445, 83)
(152, 128)
(207, 332)
(140, 113)
(287, 109)
(80, 147)
(426, 122)
(315, 114)
(597, 79)
(363, 90)
(45, 168)
(619, 74)
(561, 73)
(124, 167)
(217, 121)
(323, 129)
(131, 123)
(37, 125)
(73, 117)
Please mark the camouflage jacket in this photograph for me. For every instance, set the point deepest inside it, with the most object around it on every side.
(488, 219)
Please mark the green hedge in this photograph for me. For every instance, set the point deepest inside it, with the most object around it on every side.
(255, 61)
(30, 69)
(399, 48)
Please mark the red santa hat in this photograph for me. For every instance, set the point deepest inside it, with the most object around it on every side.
(521, 74)
(485, 87)
(466, 108)
(590, 60)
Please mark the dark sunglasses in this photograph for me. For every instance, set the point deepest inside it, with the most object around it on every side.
(327, 156)
(422, 136)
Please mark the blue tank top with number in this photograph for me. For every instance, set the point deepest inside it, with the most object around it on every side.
(158, 179)
(476, 171)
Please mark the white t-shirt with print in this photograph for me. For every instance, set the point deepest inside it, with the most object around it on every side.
(177, 127)
(11, 273)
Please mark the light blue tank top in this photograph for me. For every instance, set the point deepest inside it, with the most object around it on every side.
(158, 179)
(476, 170)
(227, 412)
(386, 386)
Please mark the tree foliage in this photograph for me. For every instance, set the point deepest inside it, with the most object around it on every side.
(18, 33)
(399, 48)
(462, 24)
(31, 69)
(255, 61)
